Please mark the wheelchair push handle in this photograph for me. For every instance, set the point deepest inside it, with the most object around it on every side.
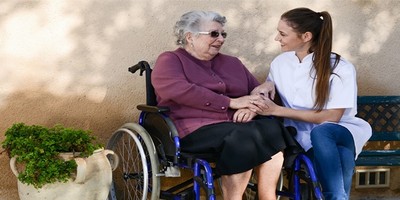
(142, 66)
(150, 95)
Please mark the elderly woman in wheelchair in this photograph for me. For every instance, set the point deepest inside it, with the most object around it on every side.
(208, 96)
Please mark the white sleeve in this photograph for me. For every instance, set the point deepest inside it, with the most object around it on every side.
(270, 76)
(343, 87)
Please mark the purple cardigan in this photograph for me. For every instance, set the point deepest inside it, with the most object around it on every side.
(198, 92)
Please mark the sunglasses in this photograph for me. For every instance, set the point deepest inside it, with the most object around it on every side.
(214, 34)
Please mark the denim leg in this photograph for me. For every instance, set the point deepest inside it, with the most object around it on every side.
(333, 157)
(348, 164)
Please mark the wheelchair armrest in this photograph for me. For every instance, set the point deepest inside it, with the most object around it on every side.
(152, 109)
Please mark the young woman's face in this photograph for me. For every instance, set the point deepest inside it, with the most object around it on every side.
(289, 39)
(206, 46)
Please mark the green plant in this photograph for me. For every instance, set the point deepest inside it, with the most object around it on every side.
(37, 149)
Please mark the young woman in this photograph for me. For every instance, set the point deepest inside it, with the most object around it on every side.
(319, 94)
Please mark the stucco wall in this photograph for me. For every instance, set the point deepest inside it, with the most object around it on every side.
(66, 61)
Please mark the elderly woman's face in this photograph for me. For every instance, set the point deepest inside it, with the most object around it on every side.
(206, 44)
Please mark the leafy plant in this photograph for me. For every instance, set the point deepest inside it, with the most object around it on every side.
(37, 149)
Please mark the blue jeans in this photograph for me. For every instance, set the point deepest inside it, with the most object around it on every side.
(333, 156)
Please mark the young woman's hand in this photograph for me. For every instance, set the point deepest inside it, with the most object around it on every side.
(265, 106)
(266, 89)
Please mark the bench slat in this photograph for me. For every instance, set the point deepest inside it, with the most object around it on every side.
(377, 99)
(380, 153)
(378, 161)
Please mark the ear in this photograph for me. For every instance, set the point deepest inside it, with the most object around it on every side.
(307, 36)
(189, 37)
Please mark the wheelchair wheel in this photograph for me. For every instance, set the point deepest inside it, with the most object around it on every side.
(136, 175)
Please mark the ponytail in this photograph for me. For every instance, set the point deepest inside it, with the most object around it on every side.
(320, 25)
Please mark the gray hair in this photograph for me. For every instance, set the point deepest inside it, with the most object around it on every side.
(190, 22)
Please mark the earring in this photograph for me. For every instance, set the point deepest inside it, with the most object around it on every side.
(191, 45)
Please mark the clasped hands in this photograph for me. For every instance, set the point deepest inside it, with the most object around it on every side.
(258, 102)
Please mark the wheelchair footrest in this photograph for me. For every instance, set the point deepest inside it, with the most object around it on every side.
(173, 171)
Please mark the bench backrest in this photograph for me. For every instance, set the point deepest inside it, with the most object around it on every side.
(383, 113)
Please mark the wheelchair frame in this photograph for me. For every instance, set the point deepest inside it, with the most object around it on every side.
(147, 152)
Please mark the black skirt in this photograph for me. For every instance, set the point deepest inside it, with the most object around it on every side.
(238, 147)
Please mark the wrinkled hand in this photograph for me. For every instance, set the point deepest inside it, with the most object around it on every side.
(246, 102)
(243, 115)
(267, 89)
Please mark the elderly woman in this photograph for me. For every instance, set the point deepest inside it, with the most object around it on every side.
(208, 94)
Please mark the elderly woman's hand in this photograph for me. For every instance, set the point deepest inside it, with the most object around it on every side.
(245, 102)
(243, 115)
(267, 89)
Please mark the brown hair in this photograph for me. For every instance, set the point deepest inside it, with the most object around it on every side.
(320, 25)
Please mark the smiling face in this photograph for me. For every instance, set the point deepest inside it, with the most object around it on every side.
(203, 46)
(291, 40)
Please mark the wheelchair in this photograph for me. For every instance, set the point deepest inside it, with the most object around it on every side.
(150, 149)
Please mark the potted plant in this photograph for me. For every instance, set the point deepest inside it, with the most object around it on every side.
(58, 162)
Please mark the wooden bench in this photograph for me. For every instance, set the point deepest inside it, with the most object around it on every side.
(383, 113)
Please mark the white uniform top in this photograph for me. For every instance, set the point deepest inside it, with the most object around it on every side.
(295, 85)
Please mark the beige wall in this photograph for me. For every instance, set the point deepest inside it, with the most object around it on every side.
(66, 61)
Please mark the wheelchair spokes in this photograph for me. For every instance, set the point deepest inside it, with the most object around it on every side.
(135, 178)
